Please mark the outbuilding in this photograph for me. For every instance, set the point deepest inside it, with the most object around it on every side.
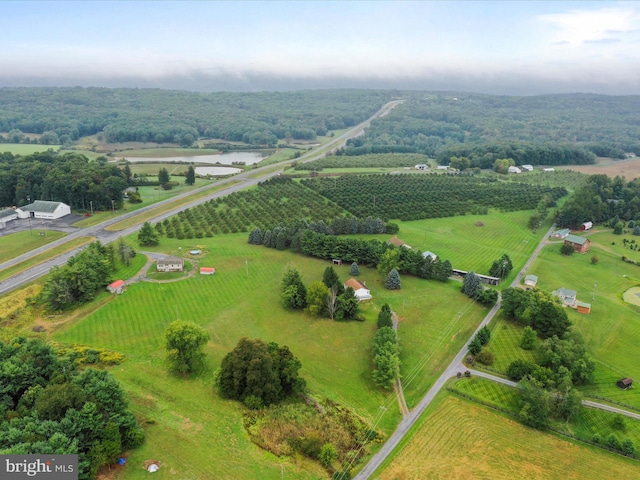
(527, 168)
(514, 170)
(207, 270)
(45, 210)
(624, 383)
(531, 280)
(579, 244)
(586, 226)
(360, 289)
(561, 234)
(116, 287)
(430, 255)
(582, 307)
(422, 166)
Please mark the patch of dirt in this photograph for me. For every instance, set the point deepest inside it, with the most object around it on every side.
(625, 168)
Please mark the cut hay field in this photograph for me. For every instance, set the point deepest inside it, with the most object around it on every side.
(629, 168)
(470, 247)
(458, 439)
(26, 148)
(612, 330)
(336, 356)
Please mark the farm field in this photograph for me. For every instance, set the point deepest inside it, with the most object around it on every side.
(26, 148)
(470, 247)
(242, 299)
(15, 244)
(629, 168)
(458, 439)
(612, 330)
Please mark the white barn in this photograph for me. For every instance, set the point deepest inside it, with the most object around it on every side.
(527, 168)
(44, 210)
(514, 170)
(7, 215)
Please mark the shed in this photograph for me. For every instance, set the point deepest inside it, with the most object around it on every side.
(360, 289)
(207, 270)
(586, 226)
(337, 261)
(422, 166)
(116, 287)
(194, 252)
(45, 210)
(527, 168)
(579, 244)
(514, 170)
(531, 280)
(7, 215)
(624, 383)
(582, 307)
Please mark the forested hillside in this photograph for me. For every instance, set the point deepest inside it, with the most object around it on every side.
(182, 117)
(554, 129)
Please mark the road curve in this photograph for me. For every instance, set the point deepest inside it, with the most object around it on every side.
(106, 236)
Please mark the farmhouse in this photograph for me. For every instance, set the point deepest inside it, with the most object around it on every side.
(624, 383)
(398, 243)
(44, 210)
(170, 264)
(568, 297)
(430, 255)
(514, 170)
(527, 168)
(361, 290)
(207, 270)
(116, 287)
(579, 244)
(561, 234)
(586, 226)
(531, 280)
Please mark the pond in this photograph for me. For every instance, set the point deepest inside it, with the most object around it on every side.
(248, 158)
(217, 170)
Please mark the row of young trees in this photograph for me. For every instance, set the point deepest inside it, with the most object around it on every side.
(413, 197)
(49, 406)
(386, 351)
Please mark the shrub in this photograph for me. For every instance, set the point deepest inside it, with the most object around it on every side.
(613, 442)
(485, 357)
(518, 369)
(529, 338)
(594, 259)
(328, 454)
(619, 423)
(566, 249)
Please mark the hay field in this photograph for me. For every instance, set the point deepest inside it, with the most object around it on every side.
(461, 440)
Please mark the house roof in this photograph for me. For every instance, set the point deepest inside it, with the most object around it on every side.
(582, 304)
(576, 239)
(355, 284)
(531, 278)
(165, 260)
(563, 232)
(429, 254)
(207, 269)
(117, 284)
(565, 293)
(7, 212)
(625, 381)
(396, 241)
(42, 206)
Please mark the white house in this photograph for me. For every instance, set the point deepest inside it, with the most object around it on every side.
(170, 264)
(360, 289)
(527, 168)
(514, 170)
(422, 166)
(44, 210)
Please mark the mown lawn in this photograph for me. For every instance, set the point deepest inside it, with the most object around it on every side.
(460, 439)
(15, 244)
(26, 148)
(505, 344)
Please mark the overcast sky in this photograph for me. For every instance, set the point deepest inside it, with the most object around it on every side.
(505, 47)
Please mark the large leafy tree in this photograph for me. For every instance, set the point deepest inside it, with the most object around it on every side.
(294, 293)
(501, 267)
(258, 373)
(184, 342)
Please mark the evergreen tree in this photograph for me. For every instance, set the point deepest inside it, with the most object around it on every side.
(294, 293)
(385, 317)
(330, 278)
(147, 236)
(355, 271)
(501, 267)
(163, 176)
(190, 176)
(471, 285)
(393, 280)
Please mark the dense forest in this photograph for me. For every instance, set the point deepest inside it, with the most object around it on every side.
(433, 123)
(151, 115)
(70, 178)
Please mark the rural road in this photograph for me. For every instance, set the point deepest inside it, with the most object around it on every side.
(106, 236)
(454, 367)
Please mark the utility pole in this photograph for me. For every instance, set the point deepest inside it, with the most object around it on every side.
(113, 207)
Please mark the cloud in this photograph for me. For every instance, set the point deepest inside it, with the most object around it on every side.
(578, 27)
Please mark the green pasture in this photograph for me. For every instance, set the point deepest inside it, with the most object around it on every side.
(487, 391)
(26, 148)
(470, 247)
(505, 344)
(612, 330)
(15, 244)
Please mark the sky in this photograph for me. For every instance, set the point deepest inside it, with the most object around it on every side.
(502, 47)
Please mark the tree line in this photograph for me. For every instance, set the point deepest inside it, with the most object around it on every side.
(62, 177)
(49, 406)
(164, 116)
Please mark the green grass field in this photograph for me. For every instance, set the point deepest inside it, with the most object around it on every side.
(26, 148)
(505, 344)
(14, 245)
(459, 439)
